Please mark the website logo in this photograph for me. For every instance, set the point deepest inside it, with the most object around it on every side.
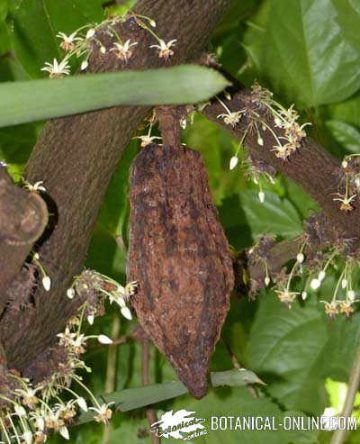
(182, 424)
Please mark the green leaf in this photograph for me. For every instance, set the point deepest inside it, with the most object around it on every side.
(274, 216)
(345, 134)
(287, 349)
(307, 53)
(47, 98)
(133, 398)
(35, 23)
(130, 399)
(234, 378)
(342, 347)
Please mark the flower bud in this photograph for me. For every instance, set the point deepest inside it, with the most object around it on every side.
(91, 319)
(46, 282)
(260, 141)
(82, 404)
(315, 284)
(233, 162)
(125, 311)
(103, 339)
(70, 293)
(261, 195)
(90, 33)
(300, 258)
(322, 275)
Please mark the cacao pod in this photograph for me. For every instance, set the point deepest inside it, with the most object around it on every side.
(180, 257)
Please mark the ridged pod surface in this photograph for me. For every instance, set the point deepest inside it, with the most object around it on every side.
(180, 257)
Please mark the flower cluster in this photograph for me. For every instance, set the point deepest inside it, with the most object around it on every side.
(29, 413)
(344, 296)
(263, 114)
(351, 173)
(95, 288)
(284, 119)
(81, 42)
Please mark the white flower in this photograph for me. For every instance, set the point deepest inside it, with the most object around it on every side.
(300, 258)
(46, 282)
(260, 141)
(261, 195)
(286, 296)
(231, 118)
(315, 284)
(146, 140)
(102, 49)
(104, 413)
(267, 281)
(20, 411)
(152, 23)
(90, 33)
(125, 311)
(123, 51)
(37, 186)
(344, 164)
(346, 202)
(57, 69)
(344, 283)
(304, 295)
(164, 49)
(233, 162)
(70, 293)
(28, 397)
(103, 339)
(84, 65)
(68, 41)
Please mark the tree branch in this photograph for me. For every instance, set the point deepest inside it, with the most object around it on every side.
(312, 167)
(76, 157)
(23, 218)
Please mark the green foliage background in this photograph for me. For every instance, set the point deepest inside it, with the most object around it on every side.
(308, 53)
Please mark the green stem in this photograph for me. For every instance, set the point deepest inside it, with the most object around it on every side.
(340, 436)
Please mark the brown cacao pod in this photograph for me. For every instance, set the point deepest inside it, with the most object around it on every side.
(180, 257)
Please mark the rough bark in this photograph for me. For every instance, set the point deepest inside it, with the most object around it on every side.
(23, 218)
(312, 167)
(76, 157)
(180, 257)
